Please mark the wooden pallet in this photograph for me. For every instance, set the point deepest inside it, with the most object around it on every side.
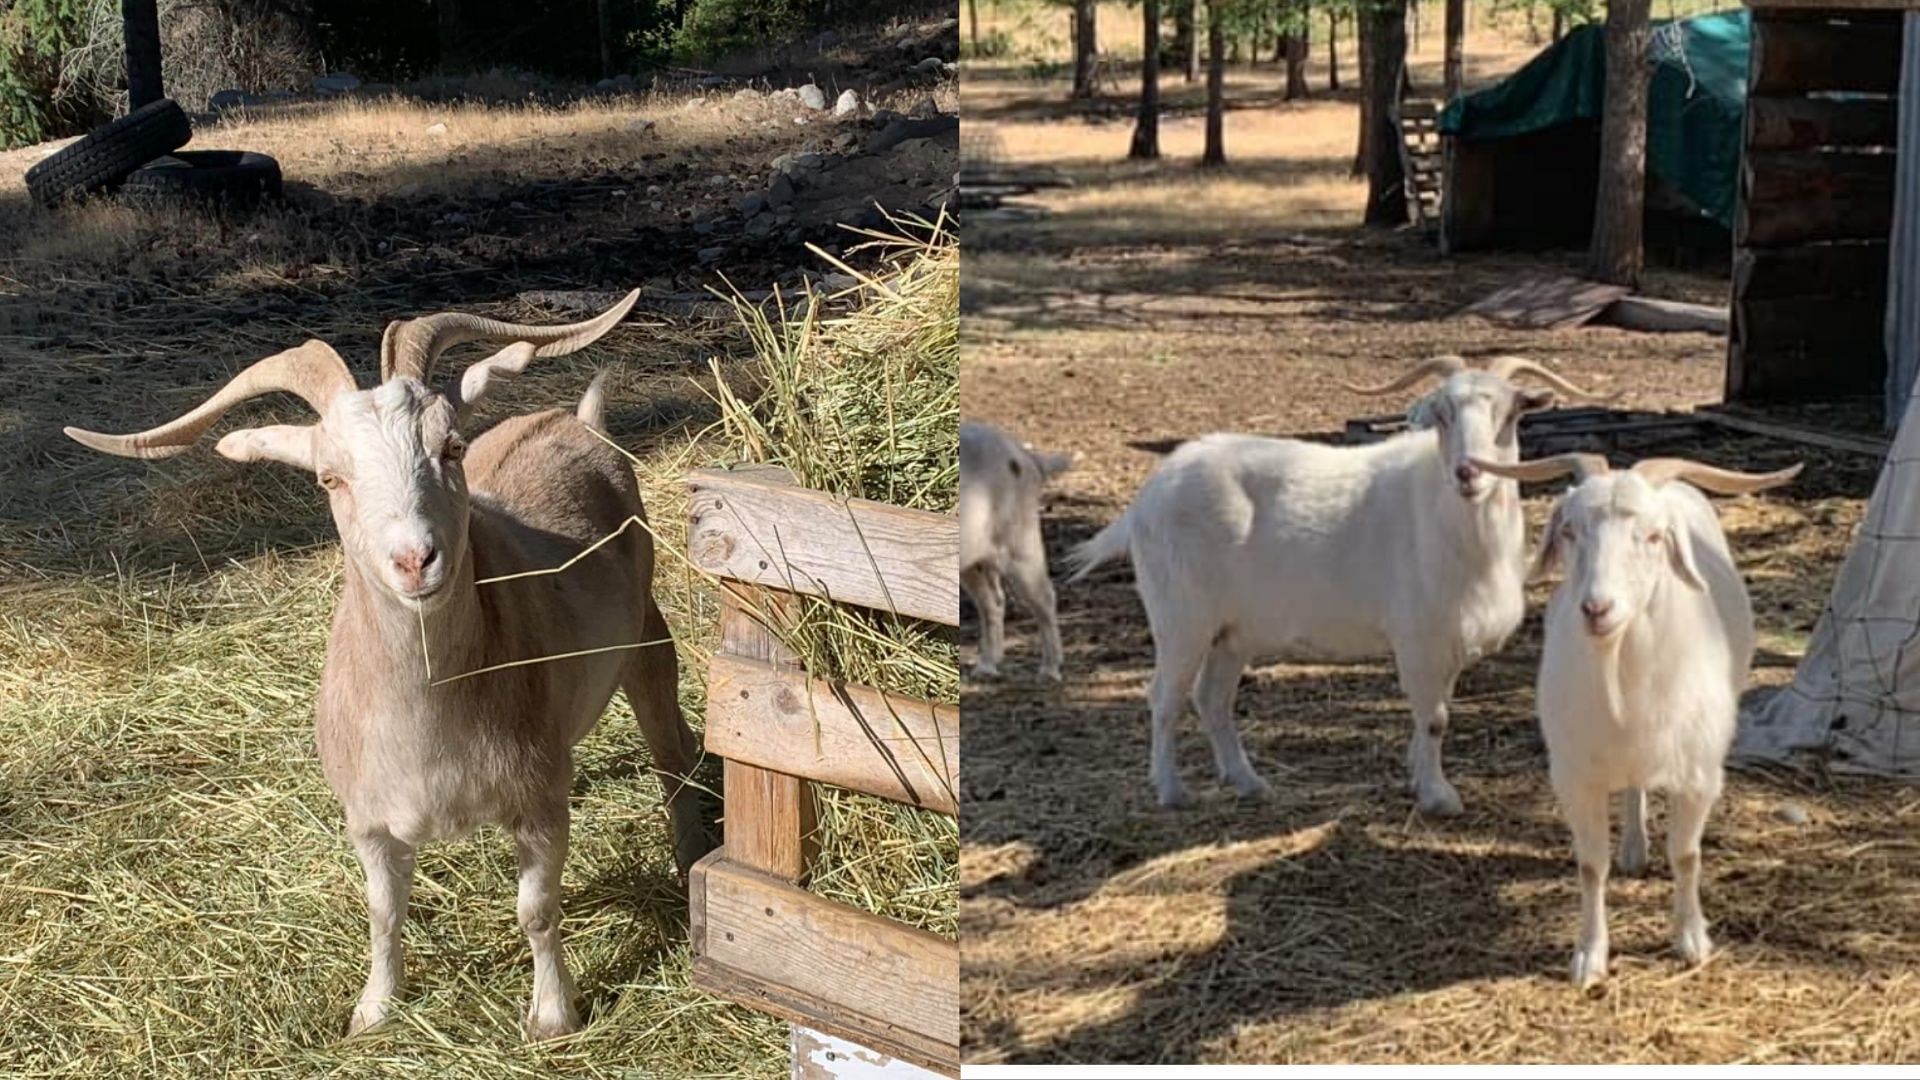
(1421, 159)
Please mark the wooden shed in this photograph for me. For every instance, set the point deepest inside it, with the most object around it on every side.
(1816, 205)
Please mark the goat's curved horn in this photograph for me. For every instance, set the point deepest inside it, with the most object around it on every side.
(314, 371)
(410, 346)
(1548, 468)
(1441, 366)
(1507, 367)
(1658, 471)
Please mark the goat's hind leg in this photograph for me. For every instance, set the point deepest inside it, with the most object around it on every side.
(652, 683)
(1632, 860)
(990, 599)
(541, 844)
(1027, 576)
(388, 863)
(1213, 698)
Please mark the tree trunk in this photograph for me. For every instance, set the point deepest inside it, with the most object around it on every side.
(1386, 22)
(1297, 46)
(452, 38)
(1363, 47)
(140, 20)
(973, 24)
(1193, 39)
(1559, 23)
(1333, 49)
(1216, 86)
(1619, 209)
(1085, 49)
(604, 16)
(1454, 64)
(1146, 127)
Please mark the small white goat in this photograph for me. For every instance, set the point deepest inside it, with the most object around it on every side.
(1648, 643)
(1245, 546)
(415, 751)
(1000, 544)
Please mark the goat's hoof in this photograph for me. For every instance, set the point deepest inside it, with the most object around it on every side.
(367, 1015)
(1693, 945)
(552, 1024)
(1589, 968)
(1050, 673)
(1250, 787)
(1440, 801)
(1174, 796)
(983, 673)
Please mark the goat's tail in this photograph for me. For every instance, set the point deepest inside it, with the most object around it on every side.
(1108, 544)
(593, 404)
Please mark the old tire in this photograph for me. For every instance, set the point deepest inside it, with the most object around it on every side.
(236, 179)
(104, 158)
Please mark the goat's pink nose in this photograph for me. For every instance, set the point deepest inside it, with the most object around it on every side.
(1466, 472)
(413, 562)
(1596, 609)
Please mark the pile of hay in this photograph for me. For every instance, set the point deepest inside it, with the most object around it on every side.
(177, 895)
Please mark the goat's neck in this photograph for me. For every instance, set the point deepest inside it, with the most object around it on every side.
(1491, 531)
(421, 646)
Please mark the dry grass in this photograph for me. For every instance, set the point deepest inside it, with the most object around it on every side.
(175, 888)
(1332, 924)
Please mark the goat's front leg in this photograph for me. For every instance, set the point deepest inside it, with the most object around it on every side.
(1585, 807)
(1688, 820)
(1428, 689)
(542, 847)
(388, 863)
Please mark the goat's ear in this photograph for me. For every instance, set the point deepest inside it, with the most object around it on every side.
(1424, 413)
(1679, 540)
(290, 444)
(1546, 563)
(1527, 401)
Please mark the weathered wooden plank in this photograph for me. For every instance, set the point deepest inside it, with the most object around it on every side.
(751, 528)
(1808, 56)
(1789, 223)
(1803, 123)
(1838, 325)
(770, 816)
(851, 736)
(1736, 420)
(1850, 269)
(1651, 315)
(1795, 175)
(780, 949)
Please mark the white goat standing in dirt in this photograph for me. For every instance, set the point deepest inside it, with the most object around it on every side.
(1245, 546)
(414, 750)
(1001, 483)
(1648, 643)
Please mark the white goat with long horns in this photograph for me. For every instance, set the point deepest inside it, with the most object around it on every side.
(1245, 546)
(432, 717)
(1649, 638)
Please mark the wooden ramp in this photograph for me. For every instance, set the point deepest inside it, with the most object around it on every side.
(1420, 159)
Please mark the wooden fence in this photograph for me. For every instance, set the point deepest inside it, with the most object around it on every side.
(1816, 200)
(759, 937)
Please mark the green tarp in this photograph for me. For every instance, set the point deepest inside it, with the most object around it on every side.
(1694, 106)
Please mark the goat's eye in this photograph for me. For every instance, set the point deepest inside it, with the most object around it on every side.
(1653, 537)
(1566, 533)
(331, 480)
(453, 451)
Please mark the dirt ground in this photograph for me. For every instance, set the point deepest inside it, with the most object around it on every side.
(1332, 923)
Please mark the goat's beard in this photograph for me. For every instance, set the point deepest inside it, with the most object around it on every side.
(1607, 653)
